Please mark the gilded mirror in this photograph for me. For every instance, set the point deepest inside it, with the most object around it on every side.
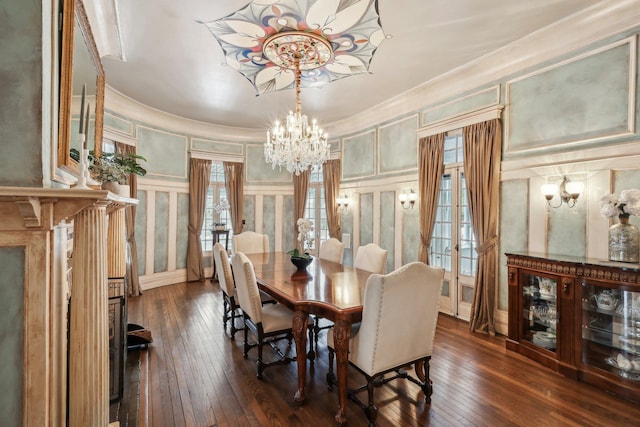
(80, 67)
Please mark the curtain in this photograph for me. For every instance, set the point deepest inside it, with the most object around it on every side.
(430, 169)
(331, 181)
(300, 187)
(199, 175)
(130, 224)
(234, 183)
(482, 145)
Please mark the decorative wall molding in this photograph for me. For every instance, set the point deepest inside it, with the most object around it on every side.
(454, 123)
(568, 139)
(119, 137)
(493, 91)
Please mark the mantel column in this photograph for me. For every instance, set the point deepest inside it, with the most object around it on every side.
(117, 244)
(88, 337)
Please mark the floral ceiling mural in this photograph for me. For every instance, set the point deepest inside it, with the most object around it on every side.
(351, 28)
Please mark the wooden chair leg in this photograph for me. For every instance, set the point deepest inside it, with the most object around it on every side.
(371, 410)
(311, 354)
(245, 353)
(225, 313)
(259, 361)
(330, 376)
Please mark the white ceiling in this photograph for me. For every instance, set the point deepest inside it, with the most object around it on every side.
(174, 64)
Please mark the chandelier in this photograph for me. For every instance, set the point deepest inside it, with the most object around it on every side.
(294, 144)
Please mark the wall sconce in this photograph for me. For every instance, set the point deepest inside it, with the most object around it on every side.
(410, 197)
(569, 191)
(343, 202)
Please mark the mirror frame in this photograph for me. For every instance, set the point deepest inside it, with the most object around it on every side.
(74, 10)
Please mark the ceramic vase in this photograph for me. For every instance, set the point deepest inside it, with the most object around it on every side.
(624, 241)
(301, 263)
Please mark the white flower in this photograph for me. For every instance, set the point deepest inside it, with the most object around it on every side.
(627, 204)
(630, 197)
(305, 227)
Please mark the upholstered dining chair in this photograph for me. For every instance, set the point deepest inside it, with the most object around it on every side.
(264, 321)
(227, 284)
(330, 250)
(250, 242)
(372, 258)
(382, 343)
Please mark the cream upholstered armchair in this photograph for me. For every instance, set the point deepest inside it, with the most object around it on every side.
(372, 258)
(227, 284)
(331, 250)
(250, 242)
(264, 321)
(382, 343)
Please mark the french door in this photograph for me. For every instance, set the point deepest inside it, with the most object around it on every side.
(453, 245)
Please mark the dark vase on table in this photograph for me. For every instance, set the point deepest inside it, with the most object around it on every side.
(300, 262)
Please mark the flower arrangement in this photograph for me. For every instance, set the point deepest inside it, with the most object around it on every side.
(627, 204)
(305, 238)
(116, 167)
(223, 205)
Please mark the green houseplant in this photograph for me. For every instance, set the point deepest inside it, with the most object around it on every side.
(116, 167)
(113, 170)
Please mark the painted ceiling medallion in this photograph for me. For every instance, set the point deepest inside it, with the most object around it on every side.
(339, 38)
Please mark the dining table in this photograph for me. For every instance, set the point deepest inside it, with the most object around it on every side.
(324, 288)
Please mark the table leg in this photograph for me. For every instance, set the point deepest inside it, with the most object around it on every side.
(341, 333)
(300, 321)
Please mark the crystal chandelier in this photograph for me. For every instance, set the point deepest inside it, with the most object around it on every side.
(294, 144)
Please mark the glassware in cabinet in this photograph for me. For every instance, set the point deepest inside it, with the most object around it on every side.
(611, 330)
(540, 314)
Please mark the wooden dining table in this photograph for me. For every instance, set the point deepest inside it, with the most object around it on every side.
(326, 289)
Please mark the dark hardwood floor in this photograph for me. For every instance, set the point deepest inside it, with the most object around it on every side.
(197, 377)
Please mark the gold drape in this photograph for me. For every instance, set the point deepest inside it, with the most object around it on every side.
(482, 148)
(133, 277)
(430, 169)
(300, 187)
(199, 174)
(331, 181)
(234, 184)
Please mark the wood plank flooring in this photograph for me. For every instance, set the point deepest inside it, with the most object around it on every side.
(198, 377)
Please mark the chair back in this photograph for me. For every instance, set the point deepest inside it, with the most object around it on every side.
(331, 250)
(247, 287)
(250, 242)
(372, 258)
(400, 312)
(223, 267)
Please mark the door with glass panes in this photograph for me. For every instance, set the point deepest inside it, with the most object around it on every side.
(315, 209)
(453, 244)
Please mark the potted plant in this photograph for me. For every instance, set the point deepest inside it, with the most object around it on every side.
(218, 208)
(301, 257)
(113, 170)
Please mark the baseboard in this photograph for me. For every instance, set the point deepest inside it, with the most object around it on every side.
(163, 279)
(501, 322)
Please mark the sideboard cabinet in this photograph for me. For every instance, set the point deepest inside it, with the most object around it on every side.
(578, 316)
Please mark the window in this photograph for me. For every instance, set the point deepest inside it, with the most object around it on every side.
(215, 194)
(453, 244)
(315, 209)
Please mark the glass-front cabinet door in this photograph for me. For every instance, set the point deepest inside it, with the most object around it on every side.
(539, 310)
(611, 330)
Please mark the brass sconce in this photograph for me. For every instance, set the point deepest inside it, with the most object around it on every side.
(568, 192)
(343, 202)
(409, 197)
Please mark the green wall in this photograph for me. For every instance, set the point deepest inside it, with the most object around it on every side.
(12, 278)
(21, 86)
